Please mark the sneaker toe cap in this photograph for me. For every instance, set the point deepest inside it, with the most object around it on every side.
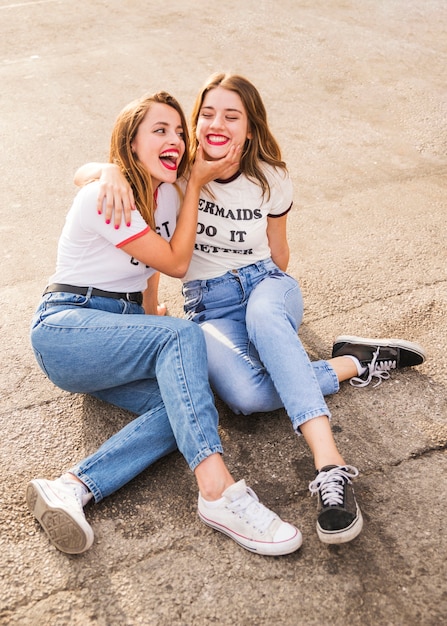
(287, 532)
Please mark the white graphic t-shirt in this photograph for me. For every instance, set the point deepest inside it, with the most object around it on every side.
(232, 225)
(89, 252)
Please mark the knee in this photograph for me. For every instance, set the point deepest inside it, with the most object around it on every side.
(245, 402)
(191, 333)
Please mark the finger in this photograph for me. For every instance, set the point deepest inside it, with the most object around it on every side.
(234, 153)
(109, 206)
(117, 210)
(100, 203)
(128, 207)
(199, 152)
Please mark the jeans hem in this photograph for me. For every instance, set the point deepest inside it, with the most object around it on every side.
(330, 370)
(299, 421)
(90, 484)
(204, 454)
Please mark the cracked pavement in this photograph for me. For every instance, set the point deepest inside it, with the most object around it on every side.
(356, 95)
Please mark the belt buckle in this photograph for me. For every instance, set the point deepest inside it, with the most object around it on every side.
(137, 300)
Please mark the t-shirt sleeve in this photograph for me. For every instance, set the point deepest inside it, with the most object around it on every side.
(281, 193)
(91, 221)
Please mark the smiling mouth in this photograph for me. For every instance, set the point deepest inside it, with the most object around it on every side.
(169, 160)
(217, 140)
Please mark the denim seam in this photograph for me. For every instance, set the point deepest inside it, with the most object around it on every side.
(195, 422)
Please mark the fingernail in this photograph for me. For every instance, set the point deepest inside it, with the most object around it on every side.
(117, 226)
(107, 221)
(128, 224)
(99, 212)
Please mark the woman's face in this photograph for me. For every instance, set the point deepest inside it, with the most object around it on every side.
(159, 143)
(222, 121)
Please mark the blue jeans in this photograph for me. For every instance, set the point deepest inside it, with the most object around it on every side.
(153, 366)
(256, 361)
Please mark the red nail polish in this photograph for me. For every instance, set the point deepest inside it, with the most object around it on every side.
(117, 226)
(128, 224)
(107, 221)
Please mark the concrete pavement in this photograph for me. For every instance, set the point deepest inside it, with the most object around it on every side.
(356, 94)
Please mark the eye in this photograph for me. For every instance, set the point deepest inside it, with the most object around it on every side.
(160, 130)
(181, 134)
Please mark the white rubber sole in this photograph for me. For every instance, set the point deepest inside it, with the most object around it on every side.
(345, 535)
(265, 548)
(65, 532)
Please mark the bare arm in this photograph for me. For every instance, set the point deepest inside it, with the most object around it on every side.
(277, 236)
(150, 297)
(173, 257)
(114, 189)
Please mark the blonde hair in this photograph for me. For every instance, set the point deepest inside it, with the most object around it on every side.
(262, 146)
(123, 134)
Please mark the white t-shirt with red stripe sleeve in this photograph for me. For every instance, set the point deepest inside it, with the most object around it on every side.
(89, 253)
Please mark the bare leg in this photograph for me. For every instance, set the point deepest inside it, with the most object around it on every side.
(318, 435)
(213, 477)
(344, 367)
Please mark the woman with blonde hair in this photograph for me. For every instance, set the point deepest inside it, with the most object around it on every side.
(90, 334)
(237, 289)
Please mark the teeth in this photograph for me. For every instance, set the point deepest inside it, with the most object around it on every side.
(171, 155)
(217, 139)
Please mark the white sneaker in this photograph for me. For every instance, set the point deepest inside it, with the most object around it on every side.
(241, 516)
(58, 507)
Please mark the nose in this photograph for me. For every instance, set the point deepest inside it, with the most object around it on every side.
(174, 138)
(217, 121)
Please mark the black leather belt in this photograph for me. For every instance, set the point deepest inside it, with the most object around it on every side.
(135, 296)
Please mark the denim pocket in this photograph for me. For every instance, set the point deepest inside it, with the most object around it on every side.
(64, 299)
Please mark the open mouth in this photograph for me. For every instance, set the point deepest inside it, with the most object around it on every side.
(217, 140)
(169, 159)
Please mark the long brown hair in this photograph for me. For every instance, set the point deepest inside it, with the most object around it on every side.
(262, 146)
(123, 134)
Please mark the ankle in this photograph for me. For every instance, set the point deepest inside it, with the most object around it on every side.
(361, 369)
(213, 477)
(321, 462)
(84, 492)
(215, 490)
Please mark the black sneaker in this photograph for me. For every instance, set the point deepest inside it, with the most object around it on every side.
(379, 356)
(339, 516)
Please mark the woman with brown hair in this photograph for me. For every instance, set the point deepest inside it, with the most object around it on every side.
(90, 335)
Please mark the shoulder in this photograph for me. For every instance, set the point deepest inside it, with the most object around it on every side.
(87, 195)
(275, 175)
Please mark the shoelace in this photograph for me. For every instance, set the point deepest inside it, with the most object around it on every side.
(331, 484)
(379, 370)
(255, 513)
(78, 493)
